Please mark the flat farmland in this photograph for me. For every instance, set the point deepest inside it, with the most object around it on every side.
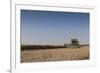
(55, 54)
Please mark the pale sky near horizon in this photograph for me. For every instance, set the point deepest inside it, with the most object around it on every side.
(53, 28)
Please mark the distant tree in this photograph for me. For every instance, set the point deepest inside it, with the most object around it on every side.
(64, 45)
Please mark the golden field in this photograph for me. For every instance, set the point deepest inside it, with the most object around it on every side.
(61, 54)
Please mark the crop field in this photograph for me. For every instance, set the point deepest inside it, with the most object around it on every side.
(53, 54)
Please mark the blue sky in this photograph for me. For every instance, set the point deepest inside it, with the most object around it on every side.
(53, 28)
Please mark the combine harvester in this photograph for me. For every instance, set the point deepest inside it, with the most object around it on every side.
(73, 44)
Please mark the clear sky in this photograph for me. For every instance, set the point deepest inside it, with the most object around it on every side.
(53, 28)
